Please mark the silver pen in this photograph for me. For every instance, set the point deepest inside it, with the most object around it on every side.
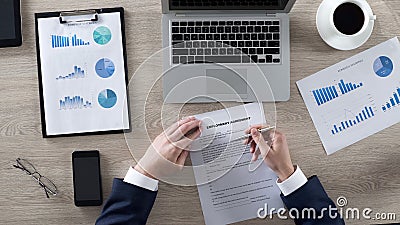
(261, 130)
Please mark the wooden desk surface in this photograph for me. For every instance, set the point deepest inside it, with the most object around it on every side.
(366, 173)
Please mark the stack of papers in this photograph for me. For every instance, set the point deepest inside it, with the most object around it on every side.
(228, 191)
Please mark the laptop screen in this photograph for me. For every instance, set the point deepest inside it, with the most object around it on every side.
(228, 4)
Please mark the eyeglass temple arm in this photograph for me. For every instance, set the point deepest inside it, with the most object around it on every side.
(45, 191)
(18, 167)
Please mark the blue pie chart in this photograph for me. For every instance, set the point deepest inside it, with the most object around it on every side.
(383, 66)
(102, 35)
(105, 68)
(107, 98)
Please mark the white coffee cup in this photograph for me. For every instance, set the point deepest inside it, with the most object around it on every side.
(331, 34)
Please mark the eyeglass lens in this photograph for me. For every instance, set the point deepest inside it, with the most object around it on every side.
(48, 185)
(30, 169)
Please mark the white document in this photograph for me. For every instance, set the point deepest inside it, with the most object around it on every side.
(228, 191)
(83, 75)
(355, 98)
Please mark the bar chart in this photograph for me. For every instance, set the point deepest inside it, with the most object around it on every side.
(76, 102)
(66, 41)
(348, 87)
(393, 101)
(366, 113)
(78, 73)
(326, 94)
(78, 42)
(59, 41)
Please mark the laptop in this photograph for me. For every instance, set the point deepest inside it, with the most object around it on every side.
(226, 50)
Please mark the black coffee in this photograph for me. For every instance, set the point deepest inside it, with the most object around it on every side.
(348, 18)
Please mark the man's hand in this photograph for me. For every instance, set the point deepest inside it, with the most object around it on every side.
(274, 150)
(168, 152)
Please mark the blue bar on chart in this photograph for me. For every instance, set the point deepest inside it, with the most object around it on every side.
(327, 94)
(78, 42)
(76, 102)
(65, 41)
(365, 114)
(324, 95)
(348, 87)
(393, 101)
(78, 73)
(59, 41)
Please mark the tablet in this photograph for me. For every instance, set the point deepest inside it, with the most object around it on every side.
(10, 23)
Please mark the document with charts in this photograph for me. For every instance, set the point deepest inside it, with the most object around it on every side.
(355, 98)
(230, 189)
(82, 74)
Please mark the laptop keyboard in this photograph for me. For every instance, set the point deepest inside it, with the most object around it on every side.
(229, 41)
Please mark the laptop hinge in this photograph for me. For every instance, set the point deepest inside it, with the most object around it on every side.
(219, 14)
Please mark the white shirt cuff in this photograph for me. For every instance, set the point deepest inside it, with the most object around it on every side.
(294, 182)
(140, 180)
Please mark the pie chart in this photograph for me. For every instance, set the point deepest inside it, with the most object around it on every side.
(383, 66)
(107, 98)
(102, 35)
(105, 68)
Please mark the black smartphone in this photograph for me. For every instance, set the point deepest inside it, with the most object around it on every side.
(87, 178)
(10, 23)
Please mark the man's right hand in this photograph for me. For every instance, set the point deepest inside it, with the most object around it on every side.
(167, 154)
(274, 150)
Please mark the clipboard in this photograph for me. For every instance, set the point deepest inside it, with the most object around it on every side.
(82, 71)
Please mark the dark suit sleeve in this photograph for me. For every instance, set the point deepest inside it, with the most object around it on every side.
(312, 195)
(127, 204)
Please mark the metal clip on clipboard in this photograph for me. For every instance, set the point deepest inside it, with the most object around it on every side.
(79, 16)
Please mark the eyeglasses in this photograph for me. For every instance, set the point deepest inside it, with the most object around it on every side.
(48, 186)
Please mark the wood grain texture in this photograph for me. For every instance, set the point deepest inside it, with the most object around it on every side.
(366, 172)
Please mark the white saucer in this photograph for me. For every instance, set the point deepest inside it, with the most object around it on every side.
(331, 36)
